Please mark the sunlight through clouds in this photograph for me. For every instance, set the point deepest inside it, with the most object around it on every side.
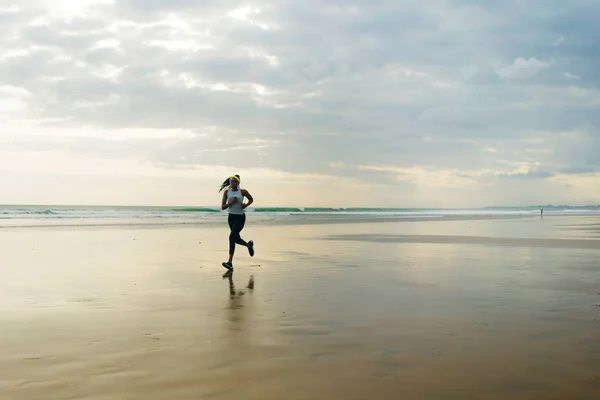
(245, 13)
(67, 9)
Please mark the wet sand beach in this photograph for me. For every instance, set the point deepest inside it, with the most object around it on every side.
(487, 308)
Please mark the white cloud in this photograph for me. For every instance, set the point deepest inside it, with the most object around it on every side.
(9, 9)
(522, 69)
(559, 41)
(13, 53)
(571, 76)
(106, 43)
(13, 99)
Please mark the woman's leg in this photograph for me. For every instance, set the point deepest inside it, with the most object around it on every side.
(239, 240)
(241, 223)
(236, 224)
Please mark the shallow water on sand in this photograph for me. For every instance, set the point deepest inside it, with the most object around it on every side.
(133, 313)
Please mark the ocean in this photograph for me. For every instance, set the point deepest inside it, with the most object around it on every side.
(26, 215)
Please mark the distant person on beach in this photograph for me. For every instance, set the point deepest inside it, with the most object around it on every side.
(233, 198)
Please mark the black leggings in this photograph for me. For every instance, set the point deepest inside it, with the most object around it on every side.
(236, 224)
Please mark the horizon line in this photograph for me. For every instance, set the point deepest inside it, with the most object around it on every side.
(298, 207)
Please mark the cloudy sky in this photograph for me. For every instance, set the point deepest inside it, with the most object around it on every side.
(455, 103)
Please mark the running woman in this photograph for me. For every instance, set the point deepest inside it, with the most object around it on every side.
(233, 198)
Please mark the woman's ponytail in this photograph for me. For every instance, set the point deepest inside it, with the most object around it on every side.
(227, 182)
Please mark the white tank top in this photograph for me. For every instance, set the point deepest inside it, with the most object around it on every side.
(235, 208)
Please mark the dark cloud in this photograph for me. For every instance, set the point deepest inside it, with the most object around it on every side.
(580, 170)
(539, 174)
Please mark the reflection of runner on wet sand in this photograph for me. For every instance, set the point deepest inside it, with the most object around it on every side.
(229, 275)
(236, 310)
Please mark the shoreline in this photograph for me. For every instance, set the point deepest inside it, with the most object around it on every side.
(257, 220)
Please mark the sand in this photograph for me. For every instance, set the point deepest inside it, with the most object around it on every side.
(453, 309)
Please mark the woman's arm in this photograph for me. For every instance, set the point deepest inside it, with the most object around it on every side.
(248, 196)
